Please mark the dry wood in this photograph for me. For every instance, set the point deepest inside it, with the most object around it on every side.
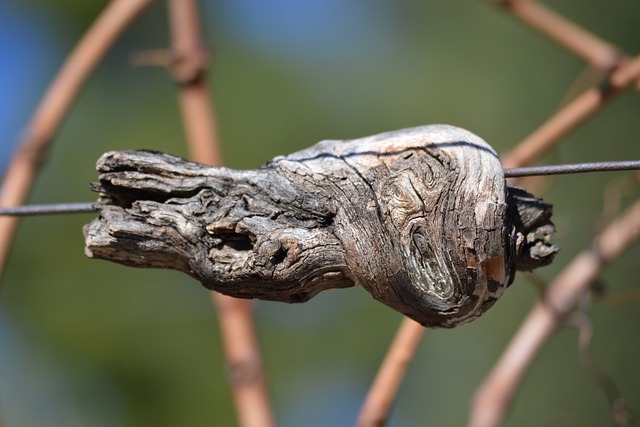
(421, 218)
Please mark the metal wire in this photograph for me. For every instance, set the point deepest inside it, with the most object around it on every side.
(67, 208)
(58, 208)
(572, 168)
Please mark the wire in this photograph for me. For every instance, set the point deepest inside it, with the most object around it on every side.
(58, 208)
(66, 208)
(572, 168)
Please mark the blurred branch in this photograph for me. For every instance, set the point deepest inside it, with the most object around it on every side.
(187, 64)
(54, 105)
(615, 191)
(495, 395)
(150, 58)
(382, 393)
(188, 60)
(571, 115)
(493, 398)
(620, 413)
(600, 54)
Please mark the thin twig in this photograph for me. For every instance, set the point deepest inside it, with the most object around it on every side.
(571, 115)
(54, 105)
(614, 193)
(382, 393)
(244, 361)
(493, 398)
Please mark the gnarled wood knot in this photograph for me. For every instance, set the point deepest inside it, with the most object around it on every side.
(421, 218)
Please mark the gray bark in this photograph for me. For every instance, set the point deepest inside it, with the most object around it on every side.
(421, 218)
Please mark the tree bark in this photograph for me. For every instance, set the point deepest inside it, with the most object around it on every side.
(421, 218)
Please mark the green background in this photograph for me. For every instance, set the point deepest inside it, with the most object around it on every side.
(91, 343)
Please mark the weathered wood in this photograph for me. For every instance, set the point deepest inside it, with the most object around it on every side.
(421, 218)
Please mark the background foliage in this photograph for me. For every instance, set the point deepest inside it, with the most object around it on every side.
(85, 342)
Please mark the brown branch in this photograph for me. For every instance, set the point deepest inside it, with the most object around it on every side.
(569, 117)
(493, 398)
(382, 393)
(600, 54)
(187, 64)
(495, 395)
(53, 107)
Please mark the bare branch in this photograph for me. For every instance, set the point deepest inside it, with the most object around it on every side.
(573, 114)
(600, 54)
(494, 396)
(382, 393)
(56, 102)
(188, 61)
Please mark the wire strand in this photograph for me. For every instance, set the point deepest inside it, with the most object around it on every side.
(67, 208)
(57, 208)
(572, 168)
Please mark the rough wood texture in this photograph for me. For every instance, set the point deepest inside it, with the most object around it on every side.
(421, 218)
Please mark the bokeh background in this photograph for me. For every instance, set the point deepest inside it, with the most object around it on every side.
(90, 343)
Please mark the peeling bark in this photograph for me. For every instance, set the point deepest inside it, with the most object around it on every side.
(421, 218)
